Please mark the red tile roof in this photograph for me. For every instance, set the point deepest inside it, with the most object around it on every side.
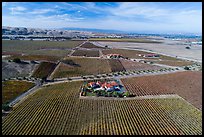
(105, 84)
(91, 83)
(113, 83)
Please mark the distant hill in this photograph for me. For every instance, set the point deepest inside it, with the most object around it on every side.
(94, 30)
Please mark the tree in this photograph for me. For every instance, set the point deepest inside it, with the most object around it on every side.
(120, 95)
(6, 107)
(186, 68)
(33, 62)
(115, 94)
(16, 60)
(83, 93)
(109, 94)
(132, 95)
(44, 79)
(84, 77)
(126, 94)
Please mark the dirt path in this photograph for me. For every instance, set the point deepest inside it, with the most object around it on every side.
(130, 98)
(73, 50)
(24, 95)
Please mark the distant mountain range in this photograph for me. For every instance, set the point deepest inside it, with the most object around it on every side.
(128, 32)
(86, 32)
(95, 30)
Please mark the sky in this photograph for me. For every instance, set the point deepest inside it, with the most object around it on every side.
(161, 17)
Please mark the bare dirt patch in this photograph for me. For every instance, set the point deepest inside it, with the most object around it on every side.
(133, 65)
(124, 52)
(12, 69)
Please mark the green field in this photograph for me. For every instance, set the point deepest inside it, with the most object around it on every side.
(54, 48)
(13, 88)
(85, 66)
(136, 40)
(58, 110)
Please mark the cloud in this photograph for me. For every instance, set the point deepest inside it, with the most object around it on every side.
(130, 16)
(17, 10)
(4, 4)
(41, 11)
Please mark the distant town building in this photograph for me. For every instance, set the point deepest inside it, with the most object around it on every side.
(151, 55)
(114, 56)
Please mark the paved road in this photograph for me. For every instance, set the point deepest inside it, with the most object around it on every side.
(132, 98)
(61, 80)
(30, 91)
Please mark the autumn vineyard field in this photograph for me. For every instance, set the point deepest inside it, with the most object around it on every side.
(87, 53)
(90, 45)
(116, 65)
(85, 66)
(189, 87)
(10, 89)
(57, 110)
(44, 69)
(21, 46)
(36, 57)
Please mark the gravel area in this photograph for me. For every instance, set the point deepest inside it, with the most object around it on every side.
(12, 70)
(168, 47)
